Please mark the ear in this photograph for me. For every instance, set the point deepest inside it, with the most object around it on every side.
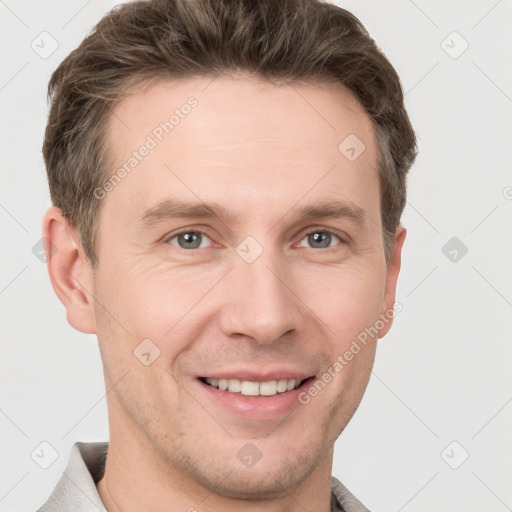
(70, 273)
(392, 272)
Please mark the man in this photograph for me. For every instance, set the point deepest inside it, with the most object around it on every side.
(228, 179)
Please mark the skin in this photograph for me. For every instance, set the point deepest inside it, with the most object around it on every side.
(264, 152)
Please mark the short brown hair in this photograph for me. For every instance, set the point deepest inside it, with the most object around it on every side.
(286, 40)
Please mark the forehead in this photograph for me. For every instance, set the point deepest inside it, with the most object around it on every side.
(241, 138)
(239, 107)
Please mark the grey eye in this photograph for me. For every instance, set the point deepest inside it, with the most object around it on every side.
(189, 239)
(320, 239)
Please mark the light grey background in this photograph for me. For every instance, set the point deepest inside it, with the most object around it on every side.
(443, 374)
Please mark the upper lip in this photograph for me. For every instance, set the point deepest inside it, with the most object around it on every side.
(258, 376)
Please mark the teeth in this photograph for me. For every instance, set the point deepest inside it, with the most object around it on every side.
(234, 386)
(291, 384)
(282, 386)
(249, 388)
(268, 388)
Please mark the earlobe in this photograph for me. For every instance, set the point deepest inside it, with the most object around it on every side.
(393, 270)
(70, 272)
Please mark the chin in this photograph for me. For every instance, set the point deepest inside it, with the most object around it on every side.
(271, 477)
(252, 484)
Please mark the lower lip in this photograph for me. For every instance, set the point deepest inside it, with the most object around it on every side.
(259, 407)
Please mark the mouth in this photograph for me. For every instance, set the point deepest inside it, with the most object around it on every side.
(255, 396)
(255, 388)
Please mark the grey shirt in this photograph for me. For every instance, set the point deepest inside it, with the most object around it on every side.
(76, 489)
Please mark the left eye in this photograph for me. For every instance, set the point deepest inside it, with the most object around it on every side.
(189, 240)
(320, 239)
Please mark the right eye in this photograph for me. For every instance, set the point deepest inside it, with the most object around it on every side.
(188, 240)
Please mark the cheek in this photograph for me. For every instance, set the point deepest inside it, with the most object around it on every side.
(156, 304)
(348, 301)
(131, 322)
(351, 305)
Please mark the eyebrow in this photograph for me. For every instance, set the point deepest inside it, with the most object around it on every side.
(171, 208)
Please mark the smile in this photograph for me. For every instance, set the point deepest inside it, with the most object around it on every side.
(252, 388)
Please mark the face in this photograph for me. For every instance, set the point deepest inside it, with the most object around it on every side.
(244, 249)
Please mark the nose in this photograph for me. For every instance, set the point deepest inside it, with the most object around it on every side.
(259, 301)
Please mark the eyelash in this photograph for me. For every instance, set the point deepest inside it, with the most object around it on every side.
(317, 230)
